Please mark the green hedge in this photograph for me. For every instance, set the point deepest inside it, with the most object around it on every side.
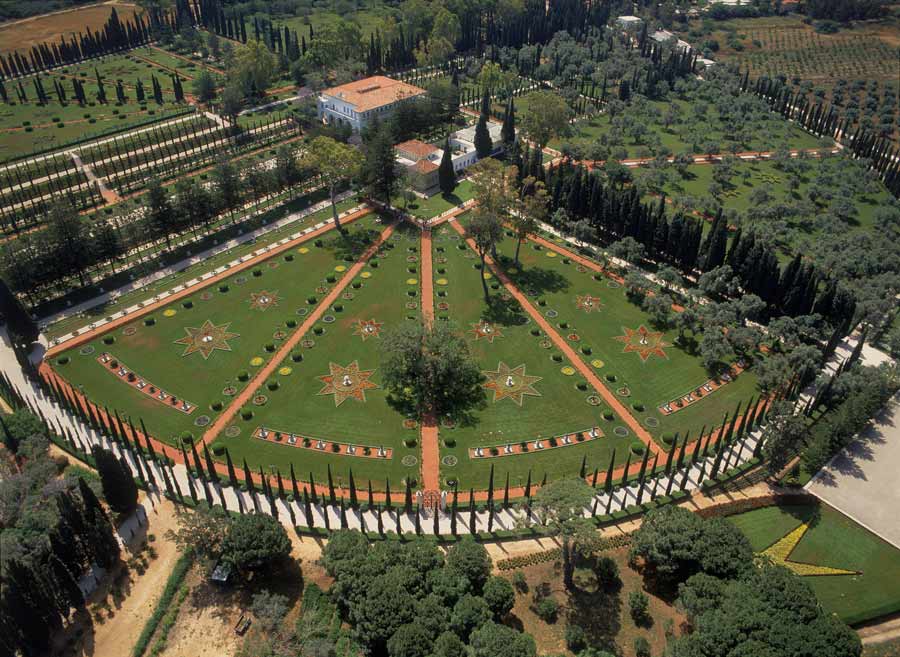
(173, 584)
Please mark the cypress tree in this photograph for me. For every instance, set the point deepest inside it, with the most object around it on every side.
(119, 489)
(472, 518)
(490, 494)
(353, 501)
(407, 501)
(210, 466)
(331, 495)
(387, 494)
(483, 144)
(446, 174)
(607, 482)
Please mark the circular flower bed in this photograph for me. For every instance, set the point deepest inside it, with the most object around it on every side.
(86, 350)
(551, 314)
(545, 344)
(450, 461)
(206, 296)
(409, 423)
(256, 361)
(240, 280)
(568, 370)
(279, 335)
(574, 337)
(260, 400)
(347, 296)
(129, 330)
(581, 268)
(612, 284)
(272, 264)
(202, 421)
(307, 343)
(411, 305)
(448, 423)
(412, 258)
(442, 281)
(366, 274)
(340, 268)
(621, 432)
(321, 289)
(409, 461)
(302, 311)
(170, 312)
(285, 371)
(233, 431)
(624, 391)
(593, 400)
(651, 422)
(597, 363)
(328, 319)
(229, 391)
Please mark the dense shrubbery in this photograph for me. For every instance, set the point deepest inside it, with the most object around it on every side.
(406, 597)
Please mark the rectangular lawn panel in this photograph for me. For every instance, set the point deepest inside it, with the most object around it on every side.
(833, 540)
(254, 307)
(301, 405)
(562, 290)
(559, 408)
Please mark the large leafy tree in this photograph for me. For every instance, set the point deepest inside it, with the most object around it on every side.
(530, 211)
(546, 116)
(675, 544)
(380, 172)
(255, 542)
(336, 163)
(560, 510)
(494, 640)
(486, 230)
(429, 370)
(253, 67)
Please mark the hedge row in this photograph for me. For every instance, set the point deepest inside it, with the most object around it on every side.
(522, 561)
(750, 504)
(173, 584)
(168, 621)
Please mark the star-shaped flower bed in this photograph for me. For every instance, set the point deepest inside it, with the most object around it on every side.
(485, 330)
(263, 300)
(367, 328)
(347, 382)
(206, 339)
(587, 303)
(510, 383)
(780, 552)
(643, 342)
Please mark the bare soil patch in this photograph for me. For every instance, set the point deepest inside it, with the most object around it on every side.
(21, 35)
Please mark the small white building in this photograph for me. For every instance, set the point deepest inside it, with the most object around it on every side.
(422, 160)
(358, 103)
(629, 22)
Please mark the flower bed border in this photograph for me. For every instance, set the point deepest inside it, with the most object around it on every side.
(689, 397)
(149, 389)
(321, 445)
(590, 434)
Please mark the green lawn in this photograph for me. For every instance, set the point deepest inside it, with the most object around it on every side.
(438, 203)
(385, 291)
(151, 352)
(836, 541)
(560, 406)
(658, 379)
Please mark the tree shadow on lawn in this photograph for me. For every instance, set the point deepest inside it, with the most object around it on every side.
(538, 279)
(598, 614)
(504, 312)
(353, 244)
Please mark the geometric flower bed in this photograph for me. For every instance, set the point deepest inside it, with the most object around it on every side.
(780, 551)
(319, 445)
(702, 391)
(126, 375)
(540, 444)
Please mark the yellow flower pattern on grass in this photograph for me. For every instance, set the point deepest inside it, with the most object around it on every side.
(170, 312)
(303, 250)
(487, 275)
(568, 371)
(442, 281)
(412, 281)
(366, 274)
(340, 268)
(256, 361)
(597, 363)
(284, 371)
(551, 254)
(780, 551)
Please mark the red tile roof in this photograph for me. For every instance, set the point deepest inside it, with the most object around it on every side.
(371, 93)
(417, 148)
